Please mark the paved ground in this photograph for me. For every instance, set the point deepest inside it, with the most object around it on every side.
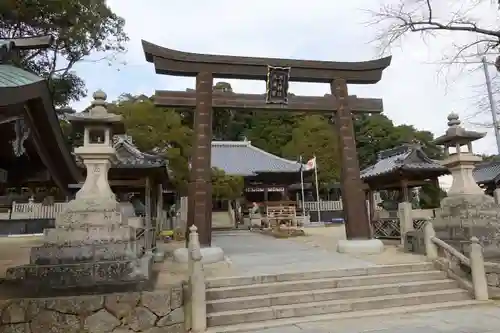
(253, 253)
(477, 319)
(327, 238)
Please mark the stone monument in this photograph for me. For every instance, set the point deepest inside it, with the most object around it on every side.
(467, 211)
(92, 243)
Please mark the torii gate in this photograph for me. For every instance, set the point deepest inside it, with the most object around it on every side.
(277, 73)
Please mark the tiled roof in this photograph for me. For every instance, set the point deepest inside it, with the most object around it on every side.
(128, 156)
(242, 159)
(406, 157)
(487, 172)
(11, 77)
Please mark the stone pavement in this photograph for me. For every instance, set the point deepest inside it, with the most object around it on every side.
(476, 319)
(253, 253)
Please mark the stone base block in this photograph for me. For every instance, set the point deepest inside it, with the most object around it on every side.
(82, 274)
(92, 204)
(158, 256)
(51, 254)
(209, 255)
(77, 236)
(361, 246)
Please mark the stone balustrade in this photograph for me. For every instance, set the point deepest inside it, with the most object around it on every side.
(492, 270)
(147, 311)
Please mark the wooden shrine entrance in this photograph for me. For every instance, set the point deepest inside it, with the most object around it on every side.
(277, 73)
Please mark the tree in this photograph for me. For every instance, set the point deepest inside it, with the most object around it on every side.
(227, 125)
(315, 135)
(375, 133)
(158, 130)
(161, 131)
(226, 186)
(80, 28)
(431, 17)
(431, 196)
(272, 130)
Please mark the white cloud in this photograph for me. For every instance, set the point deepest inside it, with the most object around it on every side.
(413, 90)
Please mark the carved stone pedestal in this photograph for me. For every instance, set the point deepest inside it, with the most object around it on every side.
(465, 216)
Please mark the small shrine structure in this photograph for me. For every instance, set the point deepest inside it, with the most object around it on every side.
(31, 141)
(93, 243)
(487, 176)
(467, 211)
(400, 168)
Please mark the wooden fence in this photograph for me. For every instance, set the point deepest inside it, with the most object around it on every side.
(36, 210)
(326, 205)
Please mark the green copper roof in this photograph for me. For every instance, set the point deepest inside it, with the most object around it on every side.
(11, 76)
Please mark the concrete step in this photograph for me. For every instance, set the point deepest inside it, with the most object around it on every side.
(321, 283)
(259, 301)
(374, 270)
(334, 306)
(267, 324)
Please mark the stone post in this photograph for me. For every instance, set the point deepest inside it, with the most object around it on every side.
(430, 248)
(479, 282)
(405, 219)
(196, 284)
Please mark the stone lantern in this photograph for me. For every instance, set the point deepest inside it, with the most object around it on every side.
(466, 211)
(92, 243)
(459, 157)
(97, 152)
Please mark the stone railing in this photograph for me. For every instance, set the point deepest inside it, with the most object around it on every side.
(469, 272)
(146, 311)
(492, 270)
(196, 305)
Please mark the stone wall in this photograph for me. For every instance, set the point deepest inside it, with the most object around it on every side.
(493, 278)
(159, 311)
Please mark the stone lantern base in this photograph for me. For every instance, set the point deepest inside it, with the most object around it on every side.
(468, 215)
(92, 245)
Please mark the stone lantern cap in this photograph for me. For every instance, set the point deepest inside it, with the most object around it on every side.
(456, 134)
(98, 115)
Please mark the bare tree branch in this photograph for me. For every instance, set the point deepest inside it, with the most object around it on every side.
(474, 33)
(399, 19)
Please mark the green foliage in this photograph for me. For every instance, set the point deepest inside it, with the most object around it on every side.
(161, 131)
(80, 27)
(315, 135)
(157, 130)
(431, 196)
(226, 186)
(285, 134)
(375, 133)
(271, 130)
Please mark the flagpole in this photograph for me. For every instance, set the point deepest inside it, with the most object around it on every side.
(317, 187)
(302, 187)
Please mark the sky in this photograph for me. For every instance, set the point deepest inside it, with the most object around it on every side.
(416, 89)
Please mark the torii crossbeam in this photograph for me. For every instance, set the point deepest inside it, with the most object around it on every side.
(233, 101)
(207, 67)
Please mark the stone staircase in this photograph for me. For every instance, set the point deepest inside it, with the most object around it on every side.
(237, 304)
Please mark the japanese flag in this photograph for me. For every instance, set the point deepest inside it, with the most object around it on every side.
(311, 164)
